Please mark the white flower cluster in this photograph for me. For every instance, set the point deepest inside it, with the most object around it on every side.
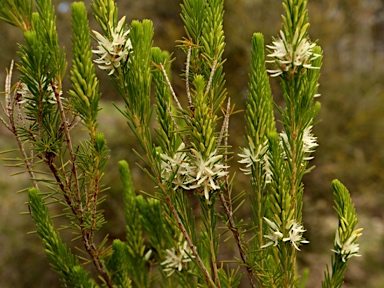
(274, 234)
(252, 156)
(309, 142)
(206, 173)
(295, 234)
(25, 94)
(193, 171)
(176, 168)
(177, 257)
(348, 248)
(114, 51)
(291, 56)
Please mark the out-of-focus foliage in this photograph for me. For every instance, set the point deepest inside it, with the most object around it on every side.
(351, 32)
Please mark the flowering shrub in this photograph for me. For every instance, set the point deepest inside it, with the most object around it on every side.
(188, 157)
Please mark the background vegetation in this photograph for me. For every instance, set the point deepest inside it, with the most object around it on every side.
(350, 131)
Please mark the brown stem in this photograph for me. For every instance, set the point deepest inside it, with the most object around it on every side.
(228, 206)
(95, 194)
(87, 236)
(69, 146)
(148, 151)
(206, 274)
(235, 231)
(26, 161)
(10, 106)
(92, 251)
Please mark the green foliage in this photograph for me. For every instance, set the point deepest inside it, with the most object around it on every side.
(17, 13)
(260, 123)
(105, 13)
(167, 137)
(135, 241)
(259, 113)
(84, 89)
(117, 264)
(138, 77)
(62, 260)
(345, 245)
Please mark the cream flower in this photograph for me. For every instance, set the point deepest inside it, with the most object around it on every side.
(176, 258)
(251, 157)
(267, 168)
(177, 168)
(274, 234)
(206, 173)
(308, 142)
(115, 50)
(296, 235)
(25, 95)
(348, 248)
(291, 56)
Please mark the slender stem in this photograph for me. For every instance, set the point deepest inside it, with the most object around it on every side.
(213, 70)
(225, 127)
(10, 106)
(95, 188)
(70, 147)
(67, 196)
(26, 161)
(212, 248)
(87, 236)
(92, 251)
(199, 261)
(141, 134)
(187, 76)
(227, 205)
(235, 231)
(170, 87)
(173, 93)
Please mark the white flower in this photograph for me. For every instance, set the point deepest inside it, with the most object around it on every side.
(112, 52)
(177, 257)
(309, 142)
(251, 157)
(192, 171)
(206, 173)
(177, 168)
(289, 56)
(296, 235)
(25, 95)
(274, 234)
(267, 168)
(349, 248)
(147, 255)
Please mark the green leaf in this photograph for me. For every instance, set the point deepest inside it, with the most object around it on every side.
(135, 241)
(118, 264)
(17, 13)
(84, 83)
(62, 260)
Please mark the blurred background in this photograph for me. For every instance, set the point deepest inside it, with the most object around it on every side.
(350, 130)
